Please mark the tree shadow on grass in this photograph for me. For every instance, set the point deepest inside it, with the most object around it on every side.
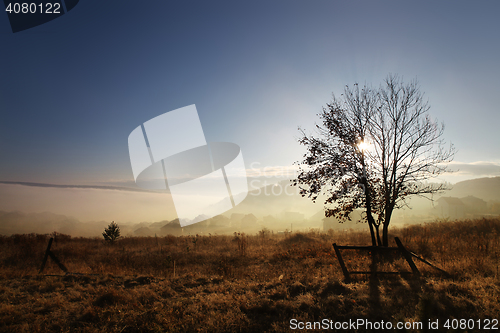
(397, 294)
(374, 285)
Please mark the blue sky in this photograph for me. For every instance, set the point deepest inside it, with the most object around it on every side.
(73, 89)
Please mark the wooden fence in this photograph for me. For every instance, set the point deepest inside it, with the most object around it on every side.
(374, 250)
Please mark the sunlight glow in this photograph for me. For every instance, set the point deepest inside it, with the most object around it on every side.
(363, 145)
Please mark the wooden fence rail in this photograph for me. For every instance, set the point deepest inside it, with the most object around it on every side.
(374, 249)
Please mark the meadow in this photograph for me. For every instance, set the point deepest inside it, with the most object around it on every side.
(250, 283)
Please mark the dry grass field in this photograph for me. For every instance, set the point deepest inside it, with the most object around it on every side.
(241, 283)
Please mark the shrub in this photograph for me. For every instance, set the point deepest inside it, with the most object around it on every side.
(112, 232)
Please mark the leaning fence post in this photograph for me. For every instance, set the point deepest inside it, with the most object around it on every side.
(49, 253)
(407, 256)
(342, 264)
(46, 254)
(61, 266)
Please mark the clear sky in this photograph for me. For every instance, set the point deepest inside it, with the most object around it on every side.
(73, 89)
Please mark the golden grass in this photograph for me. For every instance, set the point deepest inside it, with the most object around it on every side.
(243, 283)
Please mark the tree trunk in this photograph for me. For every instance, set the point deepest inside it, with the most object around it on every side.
(379, 242)
(369, 216)
(385, 228)
(371, 224)
(385, 236)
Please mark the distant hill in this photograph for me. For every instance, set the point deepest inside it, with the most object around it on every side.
(487, 189)
(276, 199)
(279, 199)
(18, 222)
(47, 222)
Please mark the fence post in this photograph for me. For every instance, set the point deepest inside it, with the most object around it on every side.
(407, 256)
(49, 253)
(46, 255)
(342, 264)
(61, 266)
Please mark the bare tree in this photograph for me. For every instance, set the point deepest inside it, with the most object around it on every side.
(375, 148)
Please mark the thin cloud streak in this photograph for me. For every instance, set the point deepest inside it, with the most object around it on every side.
(479, 168)
(458, 171)
(96, 187)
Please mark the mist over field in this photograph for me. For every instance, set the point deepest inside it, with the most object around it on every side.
(277, 207)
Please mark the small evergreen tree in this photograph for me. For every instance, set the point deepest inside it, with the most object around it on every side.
(112, 232)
